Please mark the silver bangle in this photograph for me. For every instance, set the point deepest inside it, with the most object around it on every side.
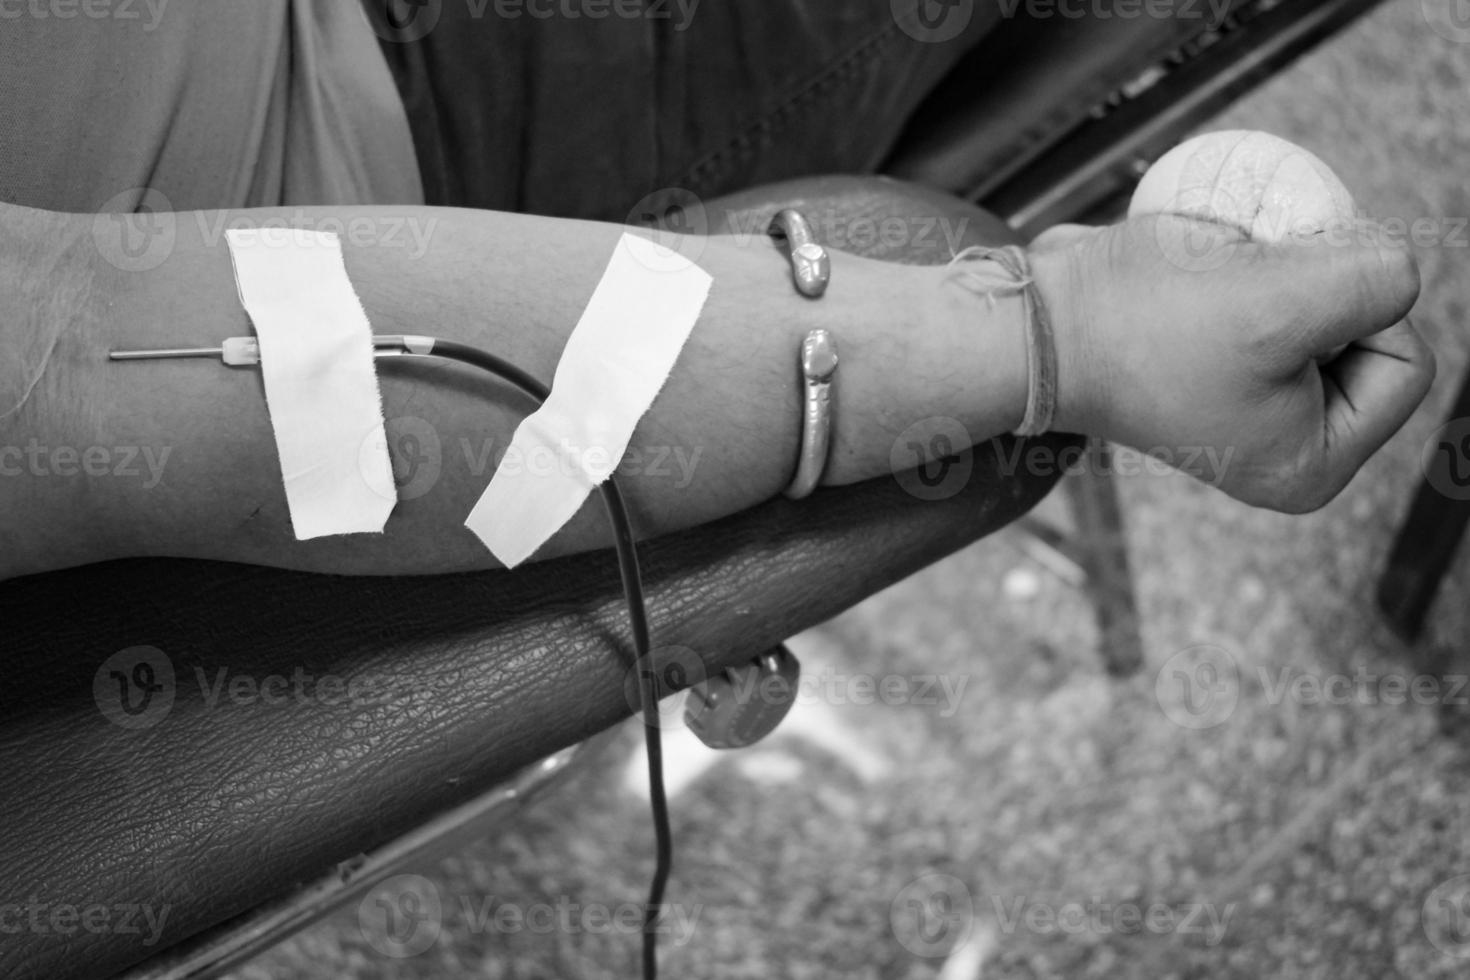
(811, 270)
(811, 267)
(818, 369)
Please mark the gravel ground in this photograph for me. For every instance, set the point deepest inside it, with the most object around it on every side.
(1253, 804)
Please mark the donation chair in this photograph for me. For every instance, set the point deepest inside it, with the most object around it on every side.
(250, 822)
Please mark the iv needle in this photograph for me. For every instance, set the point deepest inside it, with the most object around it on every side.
(145, 355)
(245, 351)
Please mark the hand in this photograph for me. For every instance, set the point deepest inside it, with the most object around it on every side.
(1184, 339)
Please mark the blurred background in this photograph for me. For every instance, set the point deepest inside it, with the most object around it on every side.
(1269, 797)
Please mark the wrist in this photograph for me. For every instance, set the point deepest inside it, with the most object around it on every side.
(1081, 377)
(986, 342)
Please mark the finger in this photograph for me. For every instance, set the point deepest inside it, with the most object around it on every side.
(1335, 294)
(1372, 389)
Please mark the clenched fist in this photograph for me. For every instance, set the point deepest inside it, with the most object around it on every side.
(1176, 334)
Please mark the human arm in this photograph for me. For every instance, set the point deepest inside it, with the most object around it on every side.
(1151, 355)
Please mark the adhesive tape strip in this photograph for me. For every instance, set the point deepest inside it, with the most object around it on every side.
(321, 385)
(617, 359)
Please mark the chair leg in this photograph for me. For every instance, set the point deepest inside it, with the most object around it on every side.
(1429, 538)
(1103, 550)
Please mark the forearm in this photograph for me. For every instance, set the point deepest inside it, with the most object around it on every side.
(722, 435)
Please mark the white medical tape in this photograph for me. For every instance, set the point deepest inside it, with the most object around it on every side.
(321, 385)
(617, 359)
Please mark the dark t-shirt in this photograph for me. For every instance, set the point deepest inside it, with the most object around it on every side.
(205, 103)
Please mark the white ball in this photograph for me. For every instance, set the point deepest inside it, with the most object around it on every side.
(1269, 188)
(1265, 186)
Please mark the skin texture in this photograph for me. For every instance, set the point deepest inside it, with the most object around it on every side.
(1157, 349)
(1187, 334)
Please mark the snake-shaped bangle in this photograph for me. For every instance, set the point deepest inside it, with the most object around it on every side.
(818, 368)
(811, 270)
